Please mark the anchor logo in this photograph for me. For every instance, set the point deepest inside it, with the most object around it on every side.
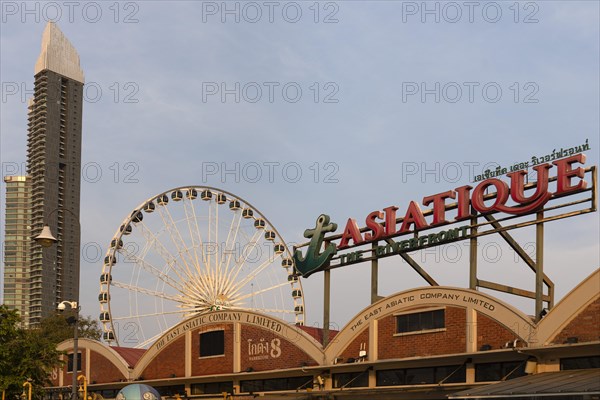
(315, 261)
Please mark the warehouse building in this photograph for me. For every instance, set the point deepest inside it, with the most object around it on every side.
(425, 343)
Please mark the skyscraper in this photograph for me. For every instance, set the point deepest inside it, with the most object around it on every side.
(16, 245)
(54, 165)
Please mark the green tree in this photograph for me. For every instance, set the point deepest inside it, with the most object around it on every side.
(9, 335)
(31, 353)
(59, 327)
(24, 354)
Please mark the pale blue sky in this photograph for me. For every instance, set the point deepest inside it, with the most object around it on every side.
(366, 61)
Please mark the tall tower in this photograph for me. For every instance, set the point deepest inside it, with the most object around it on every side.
(54, 165)
(16, 246)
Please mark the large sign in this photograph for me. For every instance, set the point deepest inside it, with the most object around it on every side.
(515, 197)
(263, 349)
(315, 261)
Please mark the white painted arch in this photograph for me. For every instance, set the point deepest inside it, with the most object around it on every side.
(569, 307)
(283, 329)
(434, 296)
(100, 348)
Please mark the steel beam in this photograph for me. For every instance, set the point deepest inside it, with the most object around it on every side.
(509, 289)
(326, 305)
(539, 263)
(524, 256)
(374, 275)
(418, 268)
(473, 254)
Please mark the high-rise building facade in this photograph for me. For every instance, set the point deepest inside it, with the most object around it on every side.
(54, 165)
(17, 237)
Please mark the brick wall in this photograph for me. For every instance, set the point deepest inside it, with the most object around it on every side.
(55, 373)
(351, 351)
(54, 377)
(585, 327)
(169, 361)
(216, 364)
(103, 370)
(492, 333)
(452, 340)
(262, 350)
(68, 376)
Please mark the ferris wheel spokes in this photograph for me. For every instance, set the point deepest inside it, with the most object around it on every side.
(176, 267)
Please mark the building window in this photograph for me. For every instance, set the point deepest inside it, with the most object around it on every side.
(451, 374)
(170, 390)
(391, 377)
(421, 321)
(70, 362)
(212, 343)
(108, 393)
(422, 376)
(490, 372)
(351, 379)
(256, 385)
(278, 384)
(579, 363)
(212, 388)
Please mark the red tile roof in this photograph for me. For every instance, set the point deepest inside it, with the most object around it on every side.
(317, 333)
(130, 355)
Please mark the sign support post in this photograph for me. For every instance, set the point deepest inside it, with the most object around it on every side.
(374, 274)
(326, 305)
(473, 283)
(539, 266)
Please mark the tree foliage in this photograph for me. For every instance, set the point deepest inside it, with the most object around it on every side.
(24, 354)
(31, 353)
(9, 336)
(59, 327)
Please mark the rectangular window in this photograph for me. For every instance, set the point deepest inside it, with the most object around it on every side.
(212, 388)
(422, 321)
(252, 386)
(278, 384)
(70, 362)
(291, 383)
(108, 393)
(351, 379)
(391, 377)
(451, 374)
(212, 343)
(422, 376)
(170, 391)
(490, 372)
(579, 363)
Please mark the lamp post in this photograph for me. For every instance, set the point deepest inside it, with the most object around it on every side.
(75, 307)
(45, 238)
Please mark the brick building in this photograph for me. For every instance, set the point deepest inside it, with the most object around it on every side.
(425, 343)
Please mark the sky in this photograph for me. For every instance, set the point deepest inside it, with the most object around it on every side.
(303, 108)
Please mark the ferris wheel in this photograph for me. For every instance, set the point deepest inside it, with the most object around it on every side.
(188, 251)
